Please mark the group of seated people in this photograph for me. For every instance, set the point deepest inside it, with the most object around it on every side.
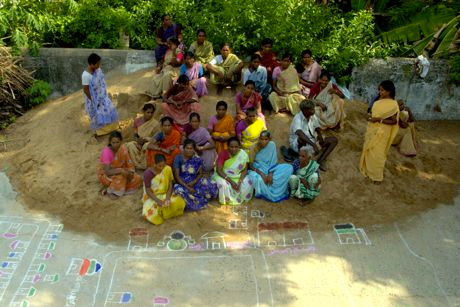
(187, 165)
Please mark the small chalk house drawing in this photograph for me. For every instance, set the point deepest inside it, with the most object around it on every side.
(283, 234)
(160, 301)
(138, 238)
(119, 297)
(214, 240)
(348, 234)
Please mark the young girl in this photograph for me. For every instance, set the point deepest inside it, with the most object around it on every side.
(102, 113)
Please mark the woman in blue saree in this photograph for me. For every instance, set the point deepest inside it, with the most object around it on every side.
(270, 179)
(191, 185)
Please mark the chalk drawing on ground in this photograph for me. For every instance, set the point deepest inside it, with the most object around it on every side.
(36, 268)
(138, 239)
(240, 219)
(176, 241)
(348, 234)
(214, 240)
(83, 267)
(282, 234)
(163, 269)
(160, 301)
(257, 214)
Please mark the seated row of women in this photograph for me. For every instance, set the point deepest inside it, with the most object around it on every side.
(169, 190)
(280, 83)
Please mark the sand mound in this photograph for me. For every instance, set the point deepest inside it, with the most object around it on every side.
(52, 164)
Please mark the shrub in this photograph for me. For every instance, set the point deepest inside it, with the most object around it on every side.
(37, 93)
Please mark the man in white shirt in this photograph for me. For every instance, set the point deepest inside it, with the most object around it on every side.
(305, 131)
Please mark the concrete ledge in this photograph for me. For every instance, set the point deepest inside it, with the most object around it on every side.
(62, 67)
(431, 98)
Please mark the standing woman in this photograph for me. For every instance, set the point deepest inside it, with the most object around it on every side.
(195, 189)
(159, 202)
(270, 178)
(166, 30)
(166, 142)
(381, 130)
(194, 71)
(103, 115)
(235, 187)
(116, 171)
(205, 147)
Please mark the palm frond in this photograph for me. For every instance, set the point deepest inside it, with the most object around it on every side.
(443, 48)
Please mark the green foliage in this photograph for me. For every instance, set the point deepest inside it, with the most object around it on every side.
(37, 93)
(455, 69)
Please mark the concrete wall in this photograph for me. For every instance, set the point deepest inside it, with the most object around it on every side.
(62, 67)
(431, 98)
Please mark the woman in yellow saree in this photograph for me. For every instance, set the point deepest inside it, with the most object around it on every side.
(169, 70)
(145, 127)
(225, 68)
(381, 130)
(249, 129)
(159, 202)
(286, 87)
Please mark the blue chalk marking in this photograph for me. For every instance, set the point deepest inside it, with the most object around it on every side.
(126, 297)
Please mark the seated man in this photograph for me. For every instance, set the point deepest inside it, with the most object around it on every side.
(257, 73)
(305, 131)
(202, 49)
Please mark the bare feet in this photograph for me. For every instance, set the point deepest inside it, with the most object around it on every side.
(304, 202)
(322, 166)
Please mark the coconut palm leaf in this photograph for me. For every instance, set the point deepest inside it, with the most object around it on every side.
(421, 45)
(443, 48)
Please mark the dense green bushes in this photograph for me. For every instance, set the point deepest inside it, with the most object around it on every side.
(341, 40)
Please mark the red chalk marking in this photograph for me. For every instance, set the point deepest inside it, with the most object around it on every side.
(84, 266)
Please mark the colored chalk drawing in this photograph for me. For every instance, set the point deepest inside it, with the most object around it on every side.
(34, 273)
(348, 234)
(241, 222)
(119, 298)
(257, 214)
(138, 238)
(15, 244)
(160, 301)
(83, 267)
(282, 234)
(176, 241)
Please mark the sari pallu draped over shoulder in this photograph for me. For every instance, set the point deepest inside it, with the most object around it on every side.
(287, 81)
(201, 137)
(311, 175)
(227, 67)
(145, 131)
(378, 139)
(118, 184)
(224, 127)
(266, 161)
(102, 113)
(335, 113)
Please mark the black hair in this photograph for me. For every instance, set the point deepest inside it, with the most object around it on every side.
(148, 106)
(159, 158)
(166, 118)
(325, 73)
(189, 54)
(250, 82)
(174, 40)
(221, 103)
(225, 44)
(183, 79)
(251, 110)
(163, 16)
(306, 51)
(93, 59)
(115, 134)
(288, 56)
(266, 41)
(188, 142)
(265, 133)
(194, 114)
(255, 56)
(389, 86)
(233, 139)
(200, 31)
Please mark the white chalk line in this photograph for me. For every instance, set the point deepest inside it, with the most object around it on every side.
(180, 257)
(268, 277)
(427, 261)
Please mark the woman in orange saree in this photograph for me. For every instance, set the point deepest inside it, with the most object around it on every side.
(221, 126)
(116, 171)
(167, 142)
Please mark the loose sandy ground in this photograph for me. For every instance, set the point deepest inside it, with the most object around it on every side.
(52, 159)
